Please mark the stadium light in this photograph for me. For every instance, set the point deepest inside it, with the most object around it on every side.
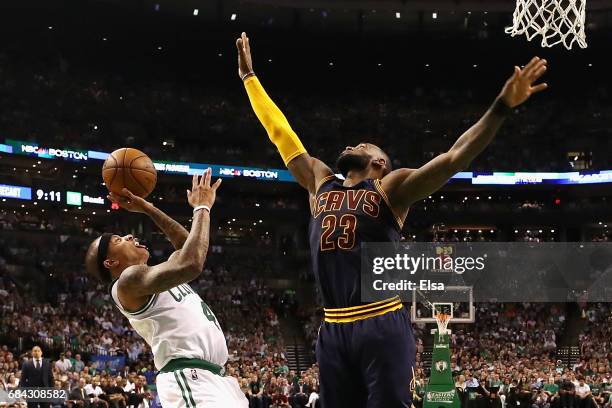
(196, 12)
(234, 16)
(434, 15)
(398, 14)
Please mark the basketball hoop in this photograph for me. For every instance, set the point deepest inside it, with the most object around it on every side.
(557, 21)
(442, 320)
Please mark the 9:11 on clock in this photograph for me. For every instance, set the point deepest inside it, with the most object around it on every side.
(48, 195)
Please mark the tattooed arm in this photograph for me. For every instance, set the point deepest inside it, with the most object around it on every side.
(174, 231)
(138, 283)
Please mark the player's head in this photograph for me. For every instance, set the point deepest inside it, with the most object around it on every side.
(110, 254)
(365, 157)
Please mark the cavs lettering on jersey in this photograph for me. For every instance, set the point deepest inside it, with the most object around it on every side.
(177, 324)
(343, 218)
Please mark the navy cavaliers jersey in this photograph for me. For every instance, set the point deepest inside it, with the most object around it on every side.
(343, 218)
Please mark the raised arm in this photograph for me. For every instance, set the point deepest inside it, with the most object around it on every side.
(405, 186)
(174, 231)
(306, 169)
(136, 283)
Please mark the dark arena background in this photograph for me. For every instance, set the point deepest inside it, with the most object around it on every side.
(81, 78)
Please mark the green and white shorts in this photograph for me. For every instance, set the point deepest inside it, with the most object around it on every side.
(199, 388)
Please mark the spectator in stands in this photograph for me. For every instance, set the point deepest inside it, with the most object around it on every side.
(583, 392)
(299, 394)
(77, 365)
(63, 364)
(115, 394)
(37, 373)
(78, 396)
(95, 393)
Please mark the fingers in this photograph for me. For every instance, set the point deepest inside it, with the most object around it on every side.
(194, 182)
(240, 46)
(539, 88)
(205, 179)
(530, 65)
(245, 42)
(537, 74)
(128, 193)
(216, 185)
(534, 65)
(515, 74)
(116, 198)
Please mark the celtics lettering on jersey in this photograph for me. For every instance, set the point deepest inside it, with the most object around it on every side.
(177, 323)
(179, 293)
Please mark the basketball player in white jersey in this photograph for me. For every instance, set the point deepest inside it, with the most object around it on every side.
(188, 345)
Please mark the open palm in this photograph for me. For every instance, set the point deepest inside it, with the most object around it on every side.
(521, 86)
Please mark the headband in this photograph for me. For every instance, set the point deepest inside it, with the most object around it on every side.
(102, 254)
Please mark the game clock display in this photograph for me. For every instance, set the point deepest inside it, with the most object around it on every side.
(49, 195)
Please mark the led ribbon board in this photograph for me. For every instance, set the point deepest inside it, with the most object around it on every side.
(231, 171)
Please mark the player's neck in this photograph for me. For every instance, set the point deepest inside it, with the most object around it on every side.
(355, 177)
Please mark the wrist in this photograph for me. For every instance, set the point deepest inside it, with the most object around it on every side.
(202, 208)
(148, 208)
(500, 107)
(247, 75)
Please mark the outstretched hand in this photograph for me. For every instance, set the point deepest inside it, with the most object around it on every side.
(202, 192)
(521, 86)
(129, 201)
(245, 63)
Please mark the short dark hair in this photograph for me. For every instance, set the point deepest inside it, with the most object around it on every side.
(93, 264)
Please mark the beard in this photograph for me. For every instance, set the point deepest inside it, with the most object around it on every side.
(351, 162)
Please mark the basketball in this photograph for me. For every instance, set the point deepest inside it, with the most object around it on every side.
(129, 168)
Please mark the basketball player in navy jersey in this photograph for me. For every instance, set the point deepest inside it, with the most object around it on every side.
(366, 352)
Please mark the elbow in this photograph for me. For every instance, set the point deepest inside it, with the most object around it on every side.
(194, 266)
(190, 271)
(277, 132)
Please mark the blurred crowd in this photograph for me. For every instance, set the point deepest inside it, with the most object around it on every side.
(508, 358)
(60, 105)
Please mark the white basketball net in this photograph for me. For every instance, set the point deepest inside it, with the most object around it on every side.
(442, 320)
(557, 21)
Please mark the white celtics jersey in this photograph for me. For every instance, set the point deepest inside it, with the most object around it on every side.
(178, 324)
